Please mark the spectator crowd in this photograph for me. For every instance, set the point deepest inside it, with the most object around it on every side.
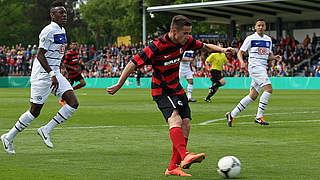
(109, 61)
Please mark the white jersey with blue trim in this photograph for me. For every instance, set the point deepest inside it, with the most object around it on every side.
(258, 48)
(186, 64)
(53, 39)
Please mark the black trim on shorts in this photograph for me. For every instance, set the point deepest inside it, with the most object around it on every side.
(168, 103)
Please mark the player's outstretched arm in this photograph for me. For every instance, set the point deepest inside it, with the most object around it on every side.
(240, 57)
(214, 48)
(130, 67)
(277, 57)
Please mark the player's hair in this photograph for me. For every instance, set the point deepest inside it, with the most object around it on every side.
(260, 19)
(55, 4)
(179, 21)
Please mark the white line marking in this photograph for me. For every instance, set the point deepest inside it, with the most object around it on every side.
(267, 114)
(201, 124)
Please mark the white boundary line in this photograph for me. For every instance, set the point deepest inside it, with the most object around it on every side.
(267, 114)
(201, 124)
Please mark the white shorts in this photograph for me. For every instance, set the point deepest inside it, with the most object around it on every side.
(259, 78)
(40, 90)
(188, 74)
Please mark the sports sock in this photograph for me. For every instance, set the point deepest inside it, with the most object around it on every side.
(23, 122)
(190, 89)
(241, 106)
(176, 159)
(78, 86)
(178, 141)
(263, 103)
(63, 114)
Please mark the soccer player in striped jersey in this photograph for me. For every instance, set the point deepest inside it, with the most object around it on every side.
(164, 54)
(71, 63)
(217, 60)
(46, 79)
(259, 47)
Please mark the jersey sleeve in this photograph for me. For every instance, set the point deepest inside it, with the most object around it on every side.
(210, 58)
(45, 39)
(144, 57)
(225, 59)
(246, 44)
(194, 44)
(271, 47)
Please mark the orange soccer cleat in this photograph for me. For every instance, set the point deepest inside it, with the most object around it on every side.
(177, 172)
(192, 158)
(62, 102)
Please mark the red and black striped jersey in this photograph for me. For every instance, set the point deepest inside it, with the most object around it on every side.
(165, 56)
(72, 59)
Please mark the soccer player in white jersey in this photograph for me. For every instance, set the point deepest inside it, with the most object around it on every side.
(46, 79)
(185, 71)
(259, 47)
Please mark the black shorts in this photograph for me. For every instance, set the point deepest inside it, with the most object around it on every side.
(75, 79)
(167, 103)
(216, 75)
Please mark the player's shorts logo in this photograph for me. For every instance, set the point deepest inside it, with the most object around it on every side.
(180, 103)
(39, 98)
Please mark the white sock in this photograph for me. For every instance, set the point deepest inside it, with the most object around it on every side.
(190, 89)
(23, 122)
(241, 106)
(263, 103)
(63, 114)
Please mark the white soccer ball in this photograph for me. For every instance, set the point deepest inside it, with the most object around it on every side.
(229, 167)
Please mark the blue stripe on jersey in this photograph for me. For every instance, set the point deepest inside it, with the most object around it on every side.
(259, 43)
(60, 38)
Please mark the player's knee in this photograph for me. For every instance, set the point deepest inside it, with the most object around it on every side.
(174, 120)
(186, 124)
(253, 96)
(35, 113)
(269, 91)
(74, 104)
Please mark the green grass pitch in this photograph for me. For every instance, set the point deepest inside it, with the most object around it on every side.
(125, 136)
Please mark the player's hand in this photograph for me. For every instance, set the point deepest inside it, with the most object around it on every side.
(54, 84)
(278, 57)
(229, 50)
(113, 89)
(64, 72)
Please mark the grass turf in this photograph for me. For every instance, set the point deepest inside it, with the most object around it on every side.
(125, 137)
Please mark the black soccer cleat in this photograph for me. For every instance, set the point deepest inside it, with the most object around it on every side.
(261, 121)
(230, 119)
(207, 100)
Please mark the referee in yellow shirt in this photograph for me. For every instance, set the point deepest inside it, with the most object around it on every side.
(217, 60)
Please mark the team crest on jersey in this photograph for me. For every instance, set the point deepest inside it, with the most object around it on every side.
(181, 50)
(43, 39)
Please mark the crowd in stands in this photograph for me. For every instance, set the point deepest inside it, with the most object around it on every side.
(109, 61)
